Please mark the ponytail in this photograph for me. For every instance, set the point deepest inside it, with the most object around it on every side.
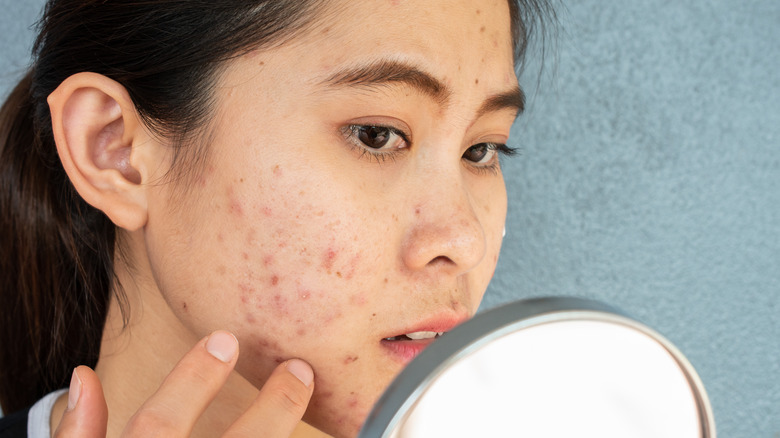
(55, 262)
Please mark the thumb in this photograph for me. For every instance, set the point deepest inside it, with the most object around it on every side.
(87, 413)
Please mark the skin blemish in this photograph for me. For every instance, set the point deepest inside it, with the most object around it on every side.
(301, 332)
(274, 280)
(245, 256)
(234, 205)
(476, 81)
(221, 270)
(338, 274)
(184, 306)
(220, 237)
(268, 260)
(328, 258)
(267, 212)
(482, 29)
(349, 359)
(358, 299)
(247, 288)
(250, 318)
(277, 170)
(304, 294)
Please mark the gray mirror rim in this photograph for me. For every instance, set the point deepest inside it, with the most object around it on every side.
(411, 383)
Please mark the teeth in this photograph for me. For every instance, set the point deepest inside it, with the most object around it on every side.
(423, 335)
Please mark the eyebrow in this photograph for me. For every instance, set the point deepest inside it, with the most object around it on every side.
(386, 72)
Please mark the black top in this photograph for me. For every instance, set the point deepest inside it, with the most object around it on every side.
(14, 425)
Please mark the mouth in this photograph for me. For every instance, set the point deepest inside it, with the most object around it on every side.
(408, 344)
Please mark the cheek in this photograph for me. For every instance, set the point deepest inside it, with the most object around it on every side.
(294, 265)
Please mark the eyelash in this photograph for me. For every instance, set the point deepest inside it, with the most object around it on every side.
(351, 133)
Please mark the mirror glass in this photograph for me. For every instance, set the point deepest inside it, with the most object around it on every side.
(554, 367)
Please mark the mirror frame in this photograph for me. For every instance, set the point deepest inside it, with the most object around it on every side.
(407, 388)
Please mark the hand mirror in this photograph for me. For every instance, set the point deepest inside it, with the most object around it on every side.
(549, 367)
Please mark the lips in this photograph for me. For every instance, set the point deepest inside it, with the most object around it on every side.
(406, 345)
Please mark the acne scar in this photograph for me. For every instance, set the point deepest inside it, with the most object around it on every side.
(274, 280)
(277, 170)
(221, 270)
(301, 332)
(234, 205)
(476, 81)
(358, 299)
(349, 359)
(482, 29)
(268, 260)
(245, 256)
(184, 306)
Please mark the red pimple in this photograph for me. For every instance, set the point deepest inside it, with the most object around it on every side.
(267, 212)
(274, 280)
(328, 259)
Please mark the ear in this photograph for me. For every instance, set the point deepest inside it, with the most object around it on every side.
(98, 132)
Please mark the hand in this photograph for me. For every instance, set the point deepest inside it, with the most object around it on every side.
(186, 392)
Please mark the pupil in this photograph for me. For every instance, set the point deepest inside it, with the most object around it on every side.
(476, 153)
(373, 136)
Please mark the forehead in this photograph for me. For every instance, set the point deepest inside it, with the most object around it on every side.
(444, 37)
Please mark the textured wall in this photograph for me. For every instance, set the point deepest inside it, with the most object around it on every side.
(649, 178)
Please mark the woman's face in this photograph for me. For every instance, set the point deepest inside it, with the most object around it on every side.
(351, 196)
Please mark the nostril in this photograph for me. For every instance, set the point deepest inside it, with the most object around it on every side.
(441, 260)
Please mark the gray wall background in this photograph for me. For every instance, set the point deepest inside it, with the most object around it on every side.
(649, 178)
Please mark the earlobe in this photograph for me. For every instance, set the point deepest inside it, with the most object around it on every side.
(97, 129)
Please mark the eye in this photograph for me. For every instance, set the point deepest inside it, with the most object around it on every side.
(482, 153)
(377, 137)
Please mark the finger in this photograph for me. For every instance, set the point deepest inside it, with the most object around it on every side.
(279, 407)
(87, 414)
(189, 388)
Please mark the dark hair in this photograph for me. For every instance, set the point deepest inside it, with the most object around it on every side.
(57, 261)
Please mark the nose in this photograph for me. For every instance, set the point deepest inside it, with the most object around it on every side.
(445, 233)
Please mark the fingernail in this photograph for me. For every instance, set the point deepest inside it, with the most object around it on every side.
(301, 370)
(222, 345)
(74, 391)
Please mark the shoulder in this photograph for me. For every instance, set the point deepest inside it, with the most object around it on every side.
(14, 425)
